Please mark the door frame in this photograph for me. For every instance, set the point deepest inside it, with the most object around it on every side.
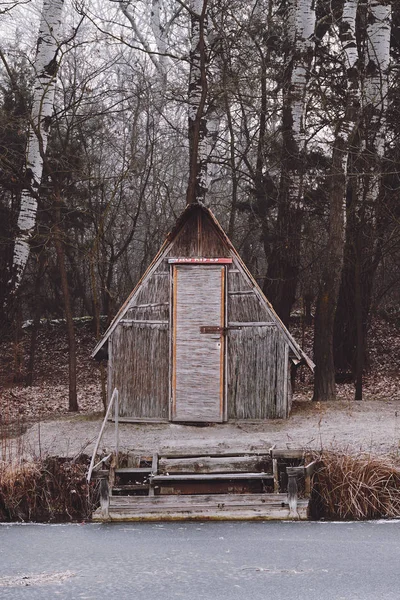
(201, 263)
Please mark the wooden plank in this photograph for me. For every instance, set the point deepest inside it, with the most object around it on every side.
(152, 304)
(133, 471)
(208, 464)
(251, 324)
(142, 420)
(210, 453)
(264, 513)
(142, 322)
(132, 487)
(287, 453)
(198, 500)
(224, 486)
(240, 292)
(210, 514)
(100, 474)
(213, 505)
(208, 477)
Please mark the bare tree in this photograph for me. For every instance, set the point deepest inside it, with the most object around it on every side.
(45, 66)
(324, 382)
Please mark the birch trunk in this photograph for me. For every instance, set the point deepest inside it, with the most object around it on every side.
(363, 247)
(283, 264)
(376, 85)
(45, 66)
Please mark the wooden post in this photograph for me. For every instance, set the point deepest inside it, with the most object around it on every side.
(154, 471)
(116, 417)
(275, 471)
(293, 473)
(308, 471)
(104, 497)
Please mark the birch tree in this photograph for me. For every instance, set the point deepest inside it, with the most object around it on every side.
(45, 67)
(364, 227)
(283, 264)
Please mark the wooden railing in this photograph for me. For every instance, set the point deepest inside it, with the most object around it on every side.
(113, 402)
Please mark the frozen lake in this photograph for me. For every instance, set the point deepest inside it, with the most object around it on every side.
(207, 561)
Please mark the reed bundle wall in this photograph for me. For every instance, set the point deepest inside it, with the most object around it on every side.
(257, 354)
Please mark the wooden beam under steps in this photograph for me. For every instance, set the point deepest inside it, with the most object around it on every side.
(202, 507)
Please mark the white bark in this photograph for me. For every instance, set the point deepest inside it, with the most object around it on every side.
(137, 24)
(160, 37)
(147, 22)
(348, 33)
(213, 127)
(378, 56)
(45, 66)
(304, 30)
(195, 65)
(375, 99)
(349, 123)
(300, 25)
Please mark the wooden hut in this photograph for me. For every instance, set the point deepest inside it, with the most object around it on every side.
(196, 340)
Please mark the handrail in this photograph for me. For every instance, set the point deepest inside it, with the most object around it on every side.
(114, 397)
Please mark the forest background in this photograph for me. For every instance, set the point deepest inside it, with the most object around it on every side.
(283, 117)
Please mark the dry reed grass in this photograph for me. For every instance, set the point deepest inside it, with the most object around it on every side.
(361, 487)
(52, 489)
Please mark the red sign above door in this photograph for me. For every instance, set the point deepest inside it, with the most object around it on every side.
(200, 261)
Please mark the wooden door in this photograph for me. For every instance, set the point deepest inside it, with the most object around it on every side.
(198, 358)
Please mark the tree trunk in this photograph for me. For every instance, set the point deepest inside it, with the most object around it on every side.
(363, 248)
(324, 380)
(45, 67)
(359, 328)
(197, 122)
(284, 260)
(36, 320)
(96, 314)
(58, 244)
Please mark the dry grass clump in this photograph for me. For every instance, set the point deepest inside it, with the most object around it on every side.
(53, 489)
(362, 487)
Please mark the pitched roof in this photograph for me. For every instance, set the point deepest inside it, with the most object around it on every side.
(185, 215)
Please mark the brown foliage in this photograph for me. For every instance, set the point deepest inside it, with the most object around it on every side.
(349, 487)
(54, 489)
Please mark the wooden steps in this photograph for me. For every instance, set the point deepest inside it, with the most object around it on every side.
(208, 477)
(218, 486)
(202, 507)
